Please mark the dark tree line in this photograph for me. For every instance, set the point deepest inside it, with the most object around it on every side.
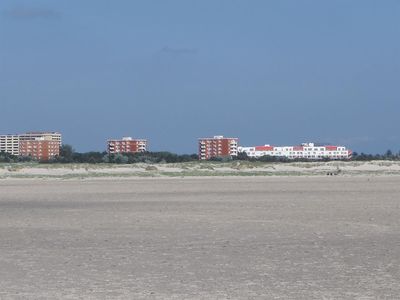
(68, 155)
(9, 158)
(389, 155)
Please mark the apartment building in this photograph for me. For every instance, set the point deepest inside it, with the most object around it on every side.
(217, 146)
(126, 145)
(9, 143)
(39, 148)
(310, 151)
(38, 145)
(48, 136)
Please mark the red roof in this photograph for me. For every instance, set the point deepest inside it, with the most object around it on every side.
(264, 148)
(331, 148)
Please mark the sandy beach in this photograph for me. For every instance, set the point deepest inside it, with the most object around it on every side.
(279, 237)
(198, 169)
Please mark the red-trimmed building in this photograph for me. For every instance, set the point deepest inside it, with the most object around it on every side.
(126, 145)
(304, 151)
(217, 146)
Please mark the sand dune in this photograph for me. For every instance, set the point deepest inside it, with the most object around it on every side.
(199, 169)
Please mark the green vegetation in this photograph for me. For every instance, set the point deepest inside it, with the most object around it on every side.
(9, 158)
(69, 155)
(389, 155)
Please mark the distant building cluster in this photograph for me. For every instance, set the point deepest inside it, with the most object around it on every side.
(303, 151)
(37, 145)
(219, 146)
(44, 146)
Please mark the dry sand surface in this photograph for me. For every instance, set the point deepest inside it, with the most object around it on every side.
(193, 169)
(201, 238)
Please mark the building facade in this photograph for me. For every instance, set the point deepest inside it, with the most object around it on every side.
(48, 136)
(37, 145)
(217, 146)
(126, 145)
(9, 143)
(39, 149)
(304, 151)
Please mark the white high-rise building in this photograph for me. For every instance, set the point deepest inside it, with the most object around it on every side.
(9, 143)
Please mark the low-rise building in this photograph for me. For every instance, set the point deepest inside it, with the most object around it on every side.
(304, 151)
(217, 146)
(126, 145)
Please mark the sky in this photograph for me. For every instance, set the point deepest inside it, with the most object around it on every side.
(265, 71)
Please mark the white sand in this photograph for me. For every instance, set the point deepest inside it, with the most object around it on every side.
(199, 169)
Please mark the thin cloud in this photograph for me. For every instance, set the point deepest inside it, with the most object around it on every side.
(178, 51)
(28, 13)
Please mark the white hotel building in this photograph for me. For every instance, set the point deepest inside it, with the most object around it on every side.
(303, 151)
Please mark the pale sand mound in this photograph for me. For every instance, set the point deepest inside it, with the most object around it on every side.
(235, 168)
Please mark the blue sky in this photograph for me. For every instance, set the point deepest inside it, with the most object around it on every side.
(277, 72)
